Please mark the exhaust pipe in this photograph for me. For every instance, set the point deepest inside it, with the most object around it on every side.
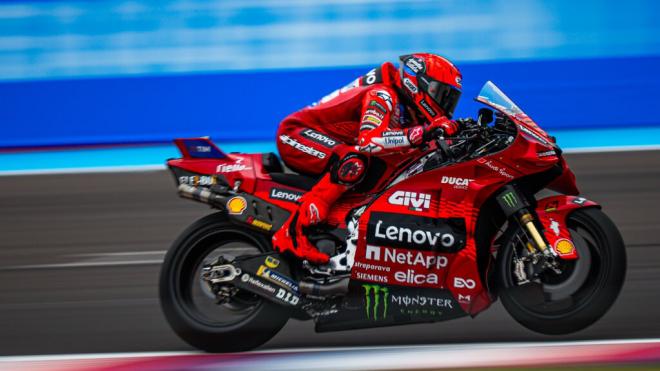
(203, 195)
(334, 288)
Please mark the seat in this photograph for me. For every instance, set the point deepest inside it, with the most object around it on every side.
(273, 165)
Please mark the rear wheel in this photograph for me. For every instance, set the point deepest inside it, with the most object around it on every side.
(584, 290)
(192, 309)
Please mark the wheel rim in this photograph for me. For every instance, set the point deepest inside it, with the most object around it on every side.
(196, 299)
(571, 293)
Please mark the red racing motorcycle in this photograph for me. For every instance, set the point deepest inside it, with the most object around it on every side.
(493, 212)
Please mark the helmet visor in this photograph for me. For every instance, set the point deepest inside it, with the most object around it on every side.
(444, 95)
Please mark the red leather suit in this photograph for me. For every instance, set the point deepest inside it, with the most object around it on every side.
(365, 116)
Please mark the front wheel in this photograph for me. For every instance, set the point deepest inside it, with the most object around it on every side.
(192, 309)
(584, 290)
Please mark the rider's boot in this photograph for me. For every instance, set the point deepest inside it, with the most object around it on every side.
(313, 209)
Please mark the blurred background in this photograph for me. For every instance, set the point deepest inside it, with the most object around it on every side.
(89, 87)
(117, 72)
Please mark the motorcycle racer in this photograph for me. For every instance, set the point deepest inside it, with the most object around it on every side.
(387, 111)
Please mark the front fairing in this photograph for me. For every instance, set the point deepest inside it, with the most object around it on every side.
(493, 97)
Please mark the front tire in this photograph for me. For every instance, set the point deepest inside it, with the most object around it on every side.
(190, 308)
(585, 290)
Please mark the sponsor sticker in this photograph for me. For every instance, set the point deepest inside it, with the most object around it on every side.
(287, 297)
(427, 107)
(272, 262)
(374, 113)
(372, 77)
(236, 205)
(236, 166)
(463, 283)
(199, 149)
(386, 97)
(277, 278)
(410, 85)
(259, 224)
(285, 194)
(551, 206)
(371, 277)
(198, 180)
(393, 133)
(411, 258)
(319, 138)
(457, 182)
(416, 232)
(415, 64)
(375, 301)
(547, 153)
(564, 247)
(378, 106)
(255, 282)
(579, 200)
(500, 170)
(301, 147)
(554, 226)
(413, 200)
(381, 302)
(372, 119)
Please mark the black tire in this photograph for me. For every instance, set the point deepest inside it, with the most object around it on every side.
(594, 291)
(262, 319)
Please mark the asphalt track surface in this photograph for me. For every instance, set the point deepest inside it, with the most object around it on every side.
(79, 264)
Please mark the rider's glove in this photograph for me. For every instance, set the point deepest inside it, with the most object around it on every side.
(440, 126)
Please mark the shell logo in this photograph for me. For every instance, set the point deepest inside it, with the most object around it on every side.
(236, 205)
(564, 247)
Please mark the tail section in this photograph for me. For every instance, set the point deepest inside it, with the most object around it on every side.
(200, 148)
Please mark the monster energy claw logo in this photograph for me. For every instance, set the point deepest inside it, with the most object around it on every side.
(376, 301)
(510, 199)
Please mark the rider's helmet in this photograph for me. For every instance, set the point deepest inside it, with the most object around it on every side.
(431, 82)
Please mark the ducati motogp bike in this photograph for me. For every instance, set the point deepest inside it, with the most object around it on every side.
(440, 233)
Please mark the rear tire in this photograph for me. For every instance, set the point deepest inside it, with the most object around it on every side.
(201, 324)
(594, 291)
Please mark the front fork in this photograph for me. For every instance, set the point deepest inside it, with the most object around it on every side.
(516, 207)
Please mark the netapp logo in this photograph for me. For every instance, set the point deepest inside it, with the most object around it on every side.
(415, 201)
(411, 258)
(319, 138)
(422, 233)
(301, 147)
(285, 194)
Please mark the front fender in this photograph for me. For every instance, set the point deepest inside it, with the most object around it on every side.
(552, 213)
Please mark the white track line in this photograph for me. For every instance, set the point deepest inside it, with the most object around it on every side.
(443, 347)
(112, 259)
(85, 170)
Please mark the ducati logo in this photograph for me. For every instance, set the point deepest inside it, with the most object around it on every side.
(459, 183)
(415, 201)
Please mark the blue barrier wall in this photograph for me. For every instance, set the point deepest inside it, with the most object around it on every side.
(140, 71)
(248, 106)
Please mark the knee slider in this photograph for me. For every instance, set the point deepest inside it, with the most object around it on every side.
(350, 170)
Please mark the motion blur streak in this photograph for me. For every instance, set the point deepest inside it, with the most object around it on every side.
(53, 219)
(376, 358)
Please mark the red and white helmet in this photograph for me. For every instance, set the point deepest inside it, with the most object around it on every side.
(431, 82)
